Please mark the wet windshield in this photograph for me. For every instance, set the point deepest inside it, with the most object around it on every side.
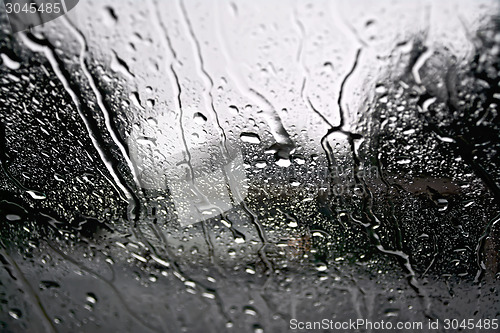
(249, 166)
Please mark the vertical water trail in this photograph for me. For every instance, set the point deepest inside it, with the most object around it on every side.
(271, 116)
(253, 216)
(177, 92)
(356, 289)
(303, 91)
(100, 100)
(402, 257)
(209, 101)
(399, 235)
(49, 53)
(342, 115)
(208, 81)
(342, 111)
(373, 223)
(368, 198)
(285, 143)
(223, 141)
(421, 60)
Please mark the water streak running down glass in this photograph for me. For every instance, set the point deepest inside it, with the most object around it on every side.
(250, 166)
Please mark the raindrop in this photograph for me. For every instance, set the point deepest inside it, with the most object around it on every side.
(250, 270)
(380, 89)
(111, 13)
(135, 99)
(46, 284)
(36, 195)
(199, 118)
(391, 312)
(234, 109)
(258, 329)
(13, 217)
(239, 239)
(15, 313)
(209, 295)
(91, 298)
(120, 66)
(299, 160)
(283, 162)
(59, 177)
(403, 160)
(442, 204)
(10, 62)
(260, 164)
(249, 310)
(321, 267)
(250, 137)
(445, 139)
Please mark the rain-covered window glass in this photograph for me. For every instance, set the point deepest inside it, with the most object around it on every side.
(249, 166)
